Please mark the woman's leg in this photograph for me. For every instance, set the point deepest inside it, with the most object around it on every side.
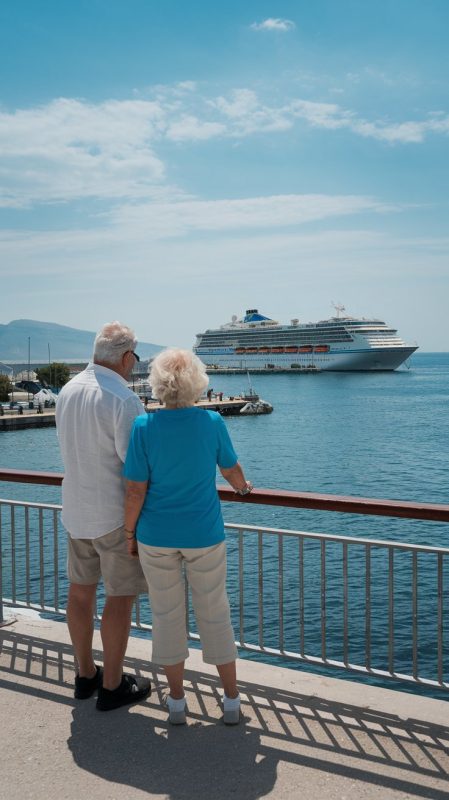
(163, 571)
(175, 680)
(228, 677)
(206, 572)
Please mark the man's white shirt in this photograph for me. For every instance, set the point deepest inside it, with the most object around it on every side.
(94, 416)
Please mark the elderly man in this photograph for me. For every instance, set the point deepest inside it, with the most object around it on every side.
(94, 415)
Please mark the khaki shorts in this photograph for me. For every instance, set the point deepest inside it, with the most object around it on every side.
(106, 557)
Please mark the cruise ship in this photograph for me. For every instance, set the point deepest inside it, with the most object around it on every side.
(341, 343)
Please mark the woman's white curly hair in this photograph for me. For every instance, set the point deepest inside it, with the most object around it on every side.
(177, 377)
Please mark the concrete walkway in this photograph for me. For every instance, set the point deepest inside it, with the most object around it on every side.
(302, 736)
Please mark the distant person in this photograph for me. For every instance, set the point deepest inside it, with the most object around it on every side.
(173, 517)
(94, 415)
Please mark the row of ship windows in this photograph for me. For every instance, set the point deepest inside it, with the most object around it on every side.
(284, 332)
(231, 340)
(307, 348)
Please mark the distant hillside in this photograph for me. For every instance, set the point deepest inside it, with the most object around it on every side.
(66, 344)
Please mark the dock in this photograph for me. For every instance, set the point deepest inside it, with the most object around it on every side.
(228, 406)
(262, 370)
(11, 420)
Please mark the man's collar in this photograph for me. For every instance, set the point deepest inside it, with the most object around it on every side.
(98, 368)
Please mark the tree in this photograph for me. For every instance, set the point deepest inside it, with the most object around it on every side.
(54, 374)
(5, 388)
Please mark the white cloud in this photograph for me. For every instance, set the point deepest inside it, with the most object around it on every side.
(172, 219)
(71, 149)
(274, 24)
(190, 128)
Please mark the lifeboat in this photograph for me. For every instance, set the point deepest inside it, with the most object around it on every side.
(264, 349)
(306, 348)
(291, 349)
(277, 349)
(321, 348)
(251, 349)
(240, 350)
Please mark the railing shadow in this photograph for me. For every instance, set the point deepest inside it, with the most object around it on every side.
(205, 759)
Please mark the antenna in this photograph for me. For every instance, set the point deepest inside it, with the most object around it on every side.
(339, 307)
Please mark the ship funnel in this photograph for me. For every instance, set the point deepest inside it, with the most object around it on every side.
(295, 322)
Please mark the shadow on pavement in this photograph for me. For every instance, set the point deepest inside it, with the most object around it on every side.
(205, 759)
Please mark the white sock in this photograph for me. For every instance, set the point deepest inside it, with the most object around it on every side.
(230, 703)
(176, 704)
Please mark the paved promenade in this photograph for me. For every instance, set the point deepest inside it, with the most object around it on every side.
(302, 736)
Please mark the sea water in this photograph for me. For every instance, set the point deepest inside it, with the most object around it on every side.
(380, 435)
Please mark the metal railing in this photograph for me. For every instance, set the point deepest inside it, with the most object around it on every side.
(364, 605)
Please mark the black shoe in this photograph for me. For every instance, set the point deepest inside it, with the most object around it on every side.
(130, 690)
(85, 687)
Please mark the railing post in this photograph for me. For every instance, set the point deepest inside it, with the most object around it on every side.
(10, 620)
(1, 572)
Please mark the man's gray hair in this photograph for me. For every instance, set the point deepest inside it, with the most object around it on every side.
(177, 377)
(112, 342)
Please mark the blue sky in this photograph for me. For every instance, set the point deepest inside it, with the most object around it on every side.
(170, 164)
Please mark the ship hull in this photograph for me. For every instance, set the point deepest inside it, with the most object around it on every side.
(341, 360)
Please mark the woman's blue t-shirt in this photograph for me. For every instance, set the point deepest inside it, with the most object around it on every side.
(177, 452)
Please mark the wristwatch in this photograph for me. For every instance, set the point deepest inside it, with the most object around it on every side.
(133, 534)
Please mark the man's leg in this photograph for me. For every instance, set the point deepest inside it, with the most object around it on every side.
(115, 627)
(80, 622)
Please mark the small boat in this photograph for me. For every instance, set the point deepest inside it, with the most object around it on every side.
(257, 407)
(254, 404)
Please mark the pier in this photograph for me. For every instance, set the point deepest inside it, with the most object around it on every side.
(227, 406)
(12, 420)
(262, 370)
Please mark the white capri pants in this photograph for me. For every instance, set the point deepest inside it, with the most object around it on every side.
(206, 574)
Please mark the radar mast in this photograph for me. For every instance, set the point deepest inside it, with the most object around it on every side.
(339, 308)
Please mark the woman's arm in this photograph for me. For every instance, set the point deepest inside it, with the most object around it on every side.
(135, 492)
(234, 475)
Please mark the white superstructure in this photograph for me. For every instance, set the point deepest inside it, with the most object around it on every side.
(340, 343)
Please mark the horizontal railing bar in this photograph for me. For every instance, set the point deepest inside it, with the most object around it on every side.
(321, 502)
(31, 476)
(335, 537)
(26, 504)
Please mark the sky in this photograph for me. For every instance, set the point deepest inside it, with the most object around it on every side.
(170, 163)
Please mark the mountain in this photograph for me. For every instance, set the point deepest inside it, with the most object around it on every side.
(66, 344)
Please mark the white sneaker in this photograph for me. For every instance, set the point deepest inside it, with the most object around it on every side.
(231, 710)
(176, 711)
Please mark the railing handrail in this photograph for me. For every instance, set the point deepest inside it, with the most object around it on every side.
(432, 512)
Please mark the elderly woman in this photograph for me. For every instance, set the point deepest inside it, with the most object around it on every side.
(173, 516)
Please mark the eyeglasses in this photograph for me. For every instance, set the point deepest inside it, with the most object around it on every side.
(134, 354)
